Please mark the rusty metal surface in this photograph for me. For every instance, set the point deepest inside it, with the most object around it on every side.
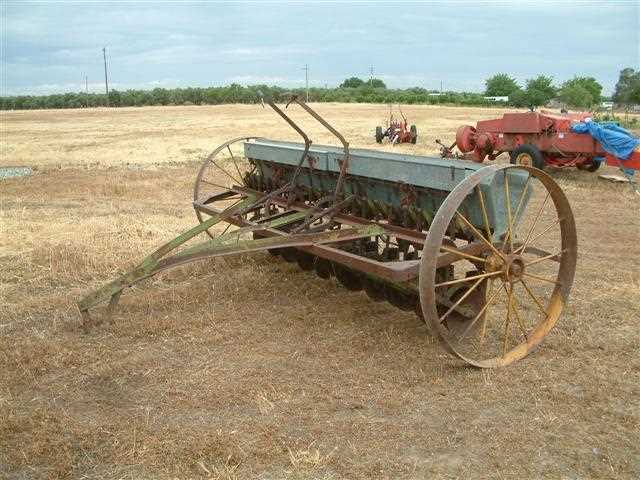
(413, 236)
(506, 267)
(400, 271)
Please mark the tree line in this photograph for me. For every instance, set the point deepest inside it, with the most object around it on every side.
(579, 92)
(235, 93)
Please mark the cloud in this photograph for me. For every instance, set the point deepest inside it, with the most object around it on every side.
(264, 80)
(53, 46)
(99, 87)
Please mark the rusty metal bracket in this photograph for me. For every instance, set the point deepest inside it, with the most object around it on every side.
(294, 125)
(344, 166)
(227, 244)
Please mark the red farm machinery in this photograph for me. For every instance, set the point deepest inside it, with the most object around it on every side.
(536, 139)
(397, 131)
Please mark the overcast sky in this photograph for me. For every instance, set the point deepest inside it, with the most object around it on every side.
(49, 47)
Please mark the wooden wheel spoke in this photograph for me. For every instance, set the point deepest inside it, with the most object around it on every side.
(462, 254)
(534, 298)
(239, 182)
(479, 235)
(535, 222)
(461, 299)
(482, 310)
(542, 279)
(467, 279)
(518, 207)
(522, 196)
(516, 313)
(485, 216)
(553, 256)
(507, 201)
(214, 184)
(507, 321)
(487, 294)
(235, 164)
(523, 327)
(522, 247)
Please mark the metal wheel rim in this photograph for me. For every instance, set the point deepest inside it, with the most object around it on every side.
(565, 275)
(203, 168)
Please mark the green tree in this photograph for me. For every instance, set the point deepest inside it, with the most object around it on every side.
(539, 91)
(114, 98)
(581, 92)
(376, 83)
(518, 98)
(576, 96)
(627, 89)
(353, 82)
(500, 85)
(160, 96)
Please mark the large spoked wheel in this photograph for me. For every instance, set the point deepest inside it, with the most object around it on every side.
(514, 278)
(224, 168)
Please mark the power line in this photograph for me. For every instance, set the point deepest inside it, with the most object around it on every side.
(106, 78)
(306, 79)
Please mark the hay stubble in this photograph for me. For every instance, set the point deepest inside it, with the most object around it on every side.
(247, 367)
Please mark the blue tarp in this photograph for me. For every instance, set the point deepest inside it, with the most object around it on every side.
(614, 139)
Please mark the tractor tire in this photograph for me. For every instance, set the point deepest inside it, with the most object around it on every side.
(414, 134)
(379, 134)
(528, 155)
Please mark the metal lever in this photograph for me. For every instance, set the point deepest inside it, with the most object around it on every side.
(294, 125)
(345, 145)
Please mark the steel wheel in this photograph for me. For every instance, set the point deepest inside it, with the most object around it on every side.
(225, 167)
(514, 291)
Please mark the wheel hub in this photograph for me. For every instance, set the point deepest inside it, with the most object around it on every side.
(512, 266)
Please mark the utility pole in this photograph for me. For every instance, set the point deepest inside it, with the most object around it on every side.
(106, 78)
(306, 79)
(86, 90)
(371, 75)
(440, 87)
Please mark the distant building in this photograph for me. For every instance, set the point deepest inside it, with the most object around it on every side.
(502, 98)
(606, 104)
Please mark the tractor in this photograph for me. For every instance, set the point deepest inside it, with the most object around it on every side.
(396, 130)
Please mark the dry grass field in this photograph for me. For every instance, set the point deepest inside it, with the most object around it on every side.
(247, 367)
(166, 135)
